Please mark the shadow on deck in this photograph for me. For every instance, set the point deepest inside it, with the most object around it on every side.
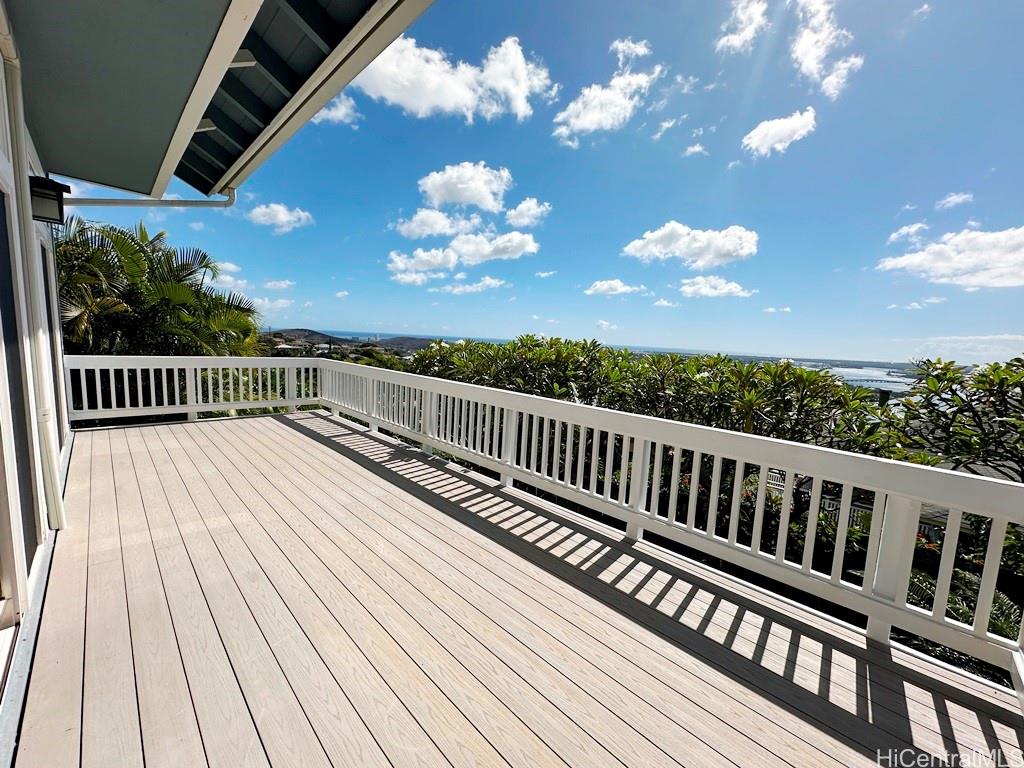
(873, 699)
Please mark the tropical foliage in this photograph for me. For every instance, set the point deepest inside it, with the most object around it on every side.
(129, 292)
(973, 420)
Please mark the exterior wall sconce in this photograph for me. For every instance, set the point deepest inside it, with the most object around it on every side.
(47, 199)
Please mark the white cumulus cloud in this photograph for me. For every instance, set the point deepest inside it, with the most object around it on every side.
(953, 199)
(528, 213)
(608, 107)
(483, 284)
(340, 109)
(749, 18)
(663, 126)
(694, 149)
(613, 287)
(712, 286)
(341, 295)
(604, 325)
(698, 248)
(543, 275)
(267, 306)
(478, 248)
(417, 278)
(971, 259)
(278, 285)
(467, 184)
(666, 303)
(430, 222)
(816, 39)
(777, 310)
(279, 216)
(776, 135)
(910, 233)
(422, 260)
(229, 282)
(425, 81)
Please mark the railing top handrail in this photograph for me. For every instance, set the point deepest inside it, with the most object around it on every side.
(200, 361)
(945, 488)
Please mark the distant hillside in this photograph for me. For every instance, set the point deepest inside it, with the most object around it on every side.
(303, 337)
(307, 336)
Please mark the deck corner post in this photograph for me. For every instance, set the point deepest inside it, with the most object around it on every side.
(506, 479)
(634, 531)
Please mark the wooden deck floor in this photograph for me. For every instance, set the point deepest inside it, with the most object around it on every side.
(289, 591)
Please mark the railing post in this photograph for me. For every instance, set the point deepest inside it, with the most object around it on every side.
(372, 403)
(509, 433)
(190, 391)
(897, 539)
(427, 416)
(638, 479)
(290, 385)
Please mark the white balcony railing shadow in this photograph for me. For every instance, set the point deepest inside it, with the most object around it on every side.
(639, 470)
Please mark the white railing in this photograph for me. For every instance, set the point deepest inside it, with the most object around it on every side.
(641, 470)
(111, 386)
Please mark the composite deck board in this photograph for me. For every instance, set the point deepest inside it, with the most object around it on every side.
(431, 603)
(740, 720)
(225, 723)
(664, 718)
(51, 729)
(295, 591)
(284, 727)
(166, 715)
(342, 734)
(517, 744)
(110, 716)
(242, 542)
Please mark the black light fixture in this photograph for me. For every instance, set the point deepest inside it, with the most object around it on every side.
(47, 199)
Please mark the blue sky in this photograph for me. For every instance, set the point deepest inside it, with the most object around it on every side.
(804, 178)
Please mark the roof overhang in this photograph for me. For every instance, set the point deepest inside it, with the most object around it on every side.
(130, 94)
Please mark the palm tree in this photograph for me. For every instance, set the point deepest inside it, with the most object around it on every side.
(128, 292)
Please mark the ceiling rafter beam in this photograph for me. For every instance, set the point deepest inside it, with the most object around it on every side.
(313, 21)
(272, 66)
(228, 128)
(194, 177)
(212, 151)
(200, 165)
(251, 105)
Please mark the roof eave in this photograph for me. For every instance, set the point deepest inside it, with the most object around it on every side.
(236, 23)
(377, 29)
